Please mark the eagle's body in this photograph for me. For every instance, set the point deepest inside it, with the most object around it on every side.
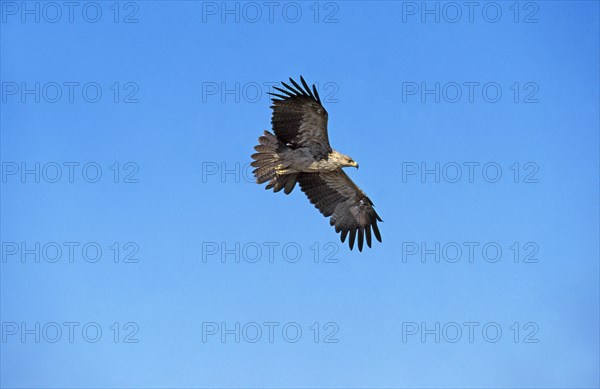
(303, 161)
(299, 151)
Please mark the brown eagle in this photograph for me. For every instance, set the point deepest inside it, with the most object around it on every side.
(300, 152)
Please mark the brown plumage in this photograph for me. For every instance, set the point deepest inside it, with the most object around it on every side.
(299, 151)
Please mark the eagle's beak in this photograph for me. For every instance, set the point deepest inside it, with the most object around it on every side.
(355, 165)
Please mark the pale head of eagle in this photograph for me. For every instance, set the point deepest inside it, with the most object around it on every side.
(341, 160)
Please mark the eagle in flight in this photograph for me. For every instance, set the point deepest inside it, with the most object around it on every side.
(299, 151)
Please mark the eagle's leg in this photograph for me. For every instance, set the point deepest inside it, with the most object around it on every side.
(282, 170)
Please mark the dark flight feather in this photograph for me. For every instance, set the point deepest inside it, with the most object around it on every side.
(351, 211)
(299, 119)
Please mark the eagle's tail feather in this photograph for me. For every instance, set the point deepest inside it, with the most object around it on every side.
(267, 161)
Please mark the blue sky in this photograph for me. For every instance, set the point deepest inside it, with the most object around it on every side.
(136, 251)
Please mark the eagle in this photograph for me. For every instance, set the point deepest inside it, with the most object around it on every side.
(299, 151)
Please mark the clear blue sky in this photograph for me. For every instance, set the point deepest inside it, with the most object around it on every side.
(126, 197)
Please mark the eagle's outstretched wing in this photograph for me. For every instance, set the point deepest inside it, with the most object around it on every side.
(351, 211)
(299, 119)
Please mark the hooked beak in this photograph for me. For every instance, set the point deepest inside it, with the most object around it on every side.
(355, 165)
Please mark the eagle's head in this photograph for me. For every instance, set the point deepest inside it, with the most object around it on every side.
(343, 160)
